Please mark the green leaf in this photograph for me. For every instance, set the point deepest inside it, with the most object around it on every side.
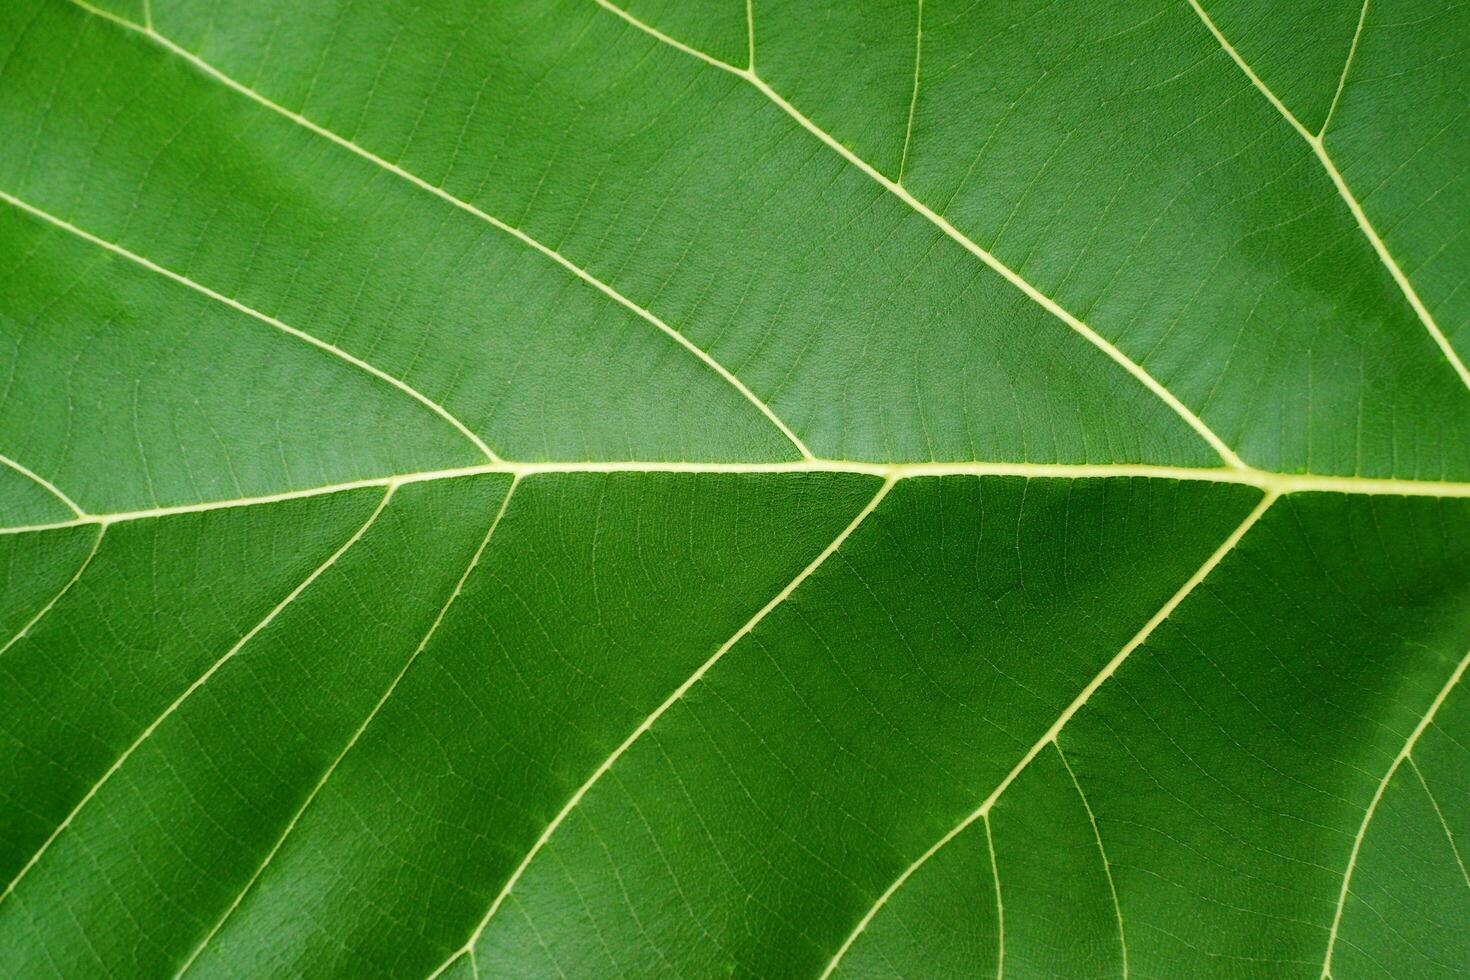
(903, 488)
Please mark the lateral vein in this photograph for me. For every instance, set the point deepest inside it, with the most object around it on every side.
(240, 307)
(1102, 852)
(1444, 825)
(1346, 67)
(198, 682)
(658, 712)
(1403, 755)
(908, 130)
(41, 613)
(352, 741)
(1000, 907)
(607, 290)
(1049, 737)
(943, 224)
(1317, 142)
(44, 483)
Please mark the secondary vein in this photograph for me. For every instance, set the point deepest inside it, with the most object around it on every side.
(44, 484)
(658, 712)
(1372, 808)
(41, 613)
(1317, 142)
(1049, 737)
(550, 253)
(1139, 373)
(908, 130)
(197, 683)
(240, 307)
(357, 734)
(1102, 852)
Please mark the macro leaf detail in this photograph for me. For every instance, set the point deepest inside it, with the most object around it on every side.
(734, 487)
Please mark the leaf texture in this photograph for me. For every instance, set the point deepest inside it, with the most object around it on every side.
(734, 487)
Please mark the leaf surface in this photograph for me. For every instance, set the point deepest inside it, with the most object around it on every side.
(553, 488)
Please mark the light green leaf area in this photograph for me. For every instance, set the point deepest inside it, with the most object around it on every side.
(692, 488)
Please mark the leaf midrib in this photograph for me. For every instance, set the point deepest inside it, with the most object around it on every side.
(1281, 484)
(1268, 481)
(980, 813)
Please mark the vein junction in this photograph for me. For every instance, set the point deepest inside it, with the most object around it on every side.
(1050, 736)
(525, 239)
(1235, 469)
(1133, 368)
(1277, 483)
(1272, 484)
(1107, 348)
(1317, 141)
